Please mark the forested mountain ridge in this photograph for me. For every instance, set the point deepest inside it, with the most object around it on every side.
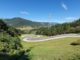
(20, 22)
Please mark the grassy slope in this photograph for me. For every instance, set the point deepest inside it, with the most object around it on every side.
(52, 50)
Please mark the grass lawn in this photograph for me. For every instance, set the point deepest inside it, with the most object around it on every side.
(53, 49)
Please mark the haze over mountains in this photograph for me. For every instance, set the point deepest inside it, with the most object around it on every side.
(19, 22)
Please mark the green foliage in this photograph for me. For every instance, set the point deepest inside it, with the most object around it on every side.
(73, 27)
(19, 56)
(10, 44)
(8, 38)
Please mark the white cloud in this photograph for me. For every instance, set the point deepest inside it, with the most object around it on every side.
(24, 12)
(64, 6)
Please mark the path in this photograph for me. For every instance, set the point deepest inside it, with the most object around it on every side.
(50, 38)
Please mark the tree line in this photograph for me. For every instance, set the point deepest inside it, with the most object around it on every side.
(64, 28)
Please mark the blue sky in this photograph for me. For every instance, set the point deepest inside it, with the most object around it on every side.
(41, 10)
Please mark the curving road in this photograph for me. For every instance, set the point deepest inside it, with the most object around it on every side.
(38, 39)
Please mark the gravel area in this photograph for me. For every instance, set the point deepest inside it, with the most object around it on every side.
(37, 38)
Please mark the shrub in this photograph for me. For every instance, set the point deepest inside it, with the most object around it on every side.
(10, 44)
(76, 42)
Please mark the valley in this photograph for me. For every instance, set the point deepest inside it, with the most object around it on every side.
(39, 30)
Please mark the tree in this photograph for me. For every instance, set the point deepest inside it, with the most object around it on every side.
(10, 44)
(73, 27)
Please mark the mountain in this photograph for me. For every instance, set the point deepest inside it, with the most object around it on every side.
(20, 22)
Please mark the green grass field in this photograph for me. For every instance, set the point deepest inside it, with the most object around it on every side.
(53, 49)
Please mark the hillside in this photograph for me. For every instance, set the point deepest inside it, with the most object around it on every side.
(64, 28)
(10, 44)
(20, 22)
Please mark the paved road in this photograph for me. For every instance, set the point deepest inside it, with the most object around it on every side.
(50, 38)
